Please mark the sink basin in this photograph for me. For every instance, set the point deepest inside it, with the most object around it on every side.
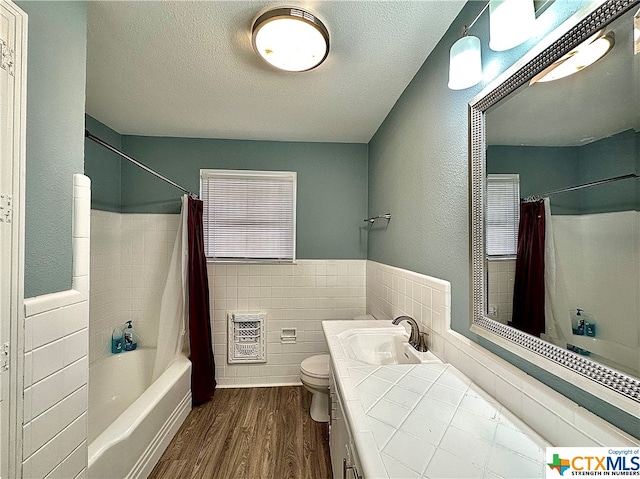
(377, 346)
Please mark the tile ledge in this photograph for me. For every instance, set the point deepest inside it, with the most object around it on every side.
(51, 301)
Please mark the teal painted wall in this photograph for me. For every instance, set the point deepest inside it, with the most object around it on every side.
(418, 171)
(55, 132)
(543, 169)
(613, 156)
(332, 184)
(103, 167)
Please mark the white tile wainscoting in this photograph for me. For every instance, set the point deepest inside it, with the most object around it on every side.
(502, 275)
(298, 296)
(392, 292)
(54, 440)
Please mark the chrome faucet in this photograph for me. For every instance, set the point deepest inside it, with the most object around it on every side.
(417, 339)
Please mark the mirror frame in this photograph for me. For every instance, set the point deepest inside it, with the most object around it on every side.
(596, 378)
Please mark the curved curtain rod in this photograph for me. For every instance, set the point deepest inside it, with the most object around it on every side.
(106, 145)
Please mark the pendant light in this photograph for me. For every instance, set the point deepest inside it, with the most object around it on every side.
(511, 23)
(465, 59)
(465, 63)
(290, 39)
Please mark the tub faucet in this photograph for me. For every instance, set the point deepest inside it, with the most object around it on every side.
(416, 339)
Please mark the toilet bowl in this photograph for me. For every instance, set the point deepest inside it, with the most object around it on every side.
(314, 375)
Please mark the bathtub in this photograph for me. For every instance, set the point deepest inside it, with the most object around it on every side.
(131, 420)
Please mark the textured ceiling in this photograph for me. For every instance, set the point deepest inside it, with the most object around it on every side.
(179, 68)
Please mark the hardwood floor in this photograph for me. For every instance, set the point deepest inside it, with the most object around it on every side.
(257, 433)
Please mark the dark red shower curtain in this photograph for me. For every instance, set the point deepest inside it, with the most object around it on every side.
(203, 381)
(528, 289)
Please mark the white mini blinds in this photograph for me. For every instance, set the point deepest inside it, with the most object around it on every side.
(249, 216)
(503, 214)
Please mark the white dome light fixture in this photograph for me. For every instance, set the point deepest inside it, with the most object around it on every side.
(290, 39)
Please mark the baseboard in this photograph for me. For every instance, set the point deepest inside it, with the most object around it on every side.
(264, 385)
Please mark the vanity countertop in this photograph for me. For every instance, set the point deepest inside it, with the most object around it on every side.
(428, 420)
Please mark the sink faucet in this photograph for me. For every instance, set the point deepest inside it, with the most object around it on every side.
(416, 339)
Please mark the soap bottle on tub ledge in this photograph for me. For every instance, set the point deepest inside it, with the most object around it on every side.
(116, 340)
(129, 340)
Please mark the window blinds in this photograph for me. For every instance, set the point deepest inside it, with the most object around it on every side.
(503, 214)
(249, 215)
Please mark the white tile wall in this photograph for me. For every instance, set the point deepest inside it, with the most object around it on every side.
(502, 275)
(147, 245)
(130, 254)
(297, 296)
(105, 310)
(555, 417)
(55, 374)
(392, 292)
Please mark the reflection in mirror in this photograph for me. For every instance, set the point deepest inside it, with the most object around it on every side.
(576, 279)
(567, 269)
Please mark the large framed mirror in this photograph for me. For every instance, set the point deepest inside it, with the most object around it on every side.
(555, 206)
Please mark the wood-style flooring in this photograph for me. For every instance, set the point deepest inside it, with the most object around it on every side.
(257, 433)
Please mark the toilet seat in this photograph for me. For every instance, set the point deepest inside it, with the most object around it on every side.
(316, 366)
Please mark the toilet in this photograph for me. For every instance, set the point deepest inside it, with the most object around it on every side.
(314, 375)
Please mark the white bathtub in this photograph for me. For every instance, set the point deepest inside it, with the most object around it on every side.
(131, 420)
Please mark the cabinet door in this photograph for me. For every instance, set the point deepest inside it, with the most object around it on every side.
(352, 467)
(338, 434)
(344, 459)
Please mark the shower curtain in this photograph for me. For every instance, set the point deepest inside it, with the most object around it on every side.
(185, 302)
(173, 310)
(528, 288)
(557, 316)
(203, 382)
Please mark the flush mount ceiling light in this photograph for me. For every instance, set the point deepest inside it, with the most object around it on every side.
(585, 54)
(290, 39)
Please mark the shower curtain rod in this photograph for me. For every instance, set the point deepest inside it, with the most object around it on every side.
(579, 187)
(106, 145)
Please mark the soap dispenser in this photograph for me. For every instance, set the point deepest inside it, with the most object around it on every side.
(116, 340)
(580, 323)
(128, 337)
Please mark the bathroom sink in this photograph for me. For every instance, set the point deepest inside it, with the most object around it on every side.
(377, 346)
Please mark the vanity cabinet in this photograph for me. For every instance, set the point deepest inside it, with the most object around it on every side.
(344, 458)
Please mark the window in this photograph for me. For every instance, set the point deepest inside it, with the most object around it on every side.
(249, 216)
(503, 214)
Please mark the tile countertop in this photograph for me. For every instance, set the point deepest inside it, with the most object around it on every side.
(428, 420)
